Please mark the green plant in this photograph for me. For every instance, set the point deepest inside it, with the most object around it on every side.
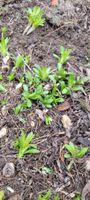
(77, 197)
(42, 73)
(2, 88)
(56, 197)
(48, 120)
(60, 81)
(3, 102)
(1, 77)
(63, 56)
(74, 151)
(2, 196)
(46, 170)
(11, 76)
(4, 43)
(21, 61)
(45, 196)
(24, 146)
(22, 106)
(35, 19)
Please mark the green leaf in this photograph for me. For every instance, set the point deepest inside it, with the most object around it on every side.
(2, 88)
(67, 155)
(32, 151)
(82, 152)
(2, 197)
(1, 77)
(71, 80)
(66, 91)
(45, 196)
(24, 146)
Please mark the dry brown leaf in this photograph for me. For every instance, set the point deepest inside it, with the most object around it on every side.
(67, 124)
(86, 190)
(64, 106)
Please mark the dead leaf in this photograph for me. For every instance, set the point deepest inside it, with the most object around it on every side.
(40, 114)
(86, 190)
(67, 124)
(64, 106)
(54, 2)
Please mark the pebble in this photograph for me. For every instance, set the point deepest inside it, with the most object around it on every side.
(3, 132)
(9, 170)
(18, 88)
(4, 110)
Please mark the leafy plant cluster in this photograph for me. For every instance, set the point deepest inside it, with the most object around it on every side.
(35, 19)
(47, 196)
(49, 87)
(74, 151)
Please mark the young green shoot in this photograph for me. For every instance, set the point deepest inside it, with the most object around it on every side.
(2, 88)
(24, 144)
(63, 57)
(42, 72)
(46, 170)
(35, 19)
(74, 151)
(4, 44)
(48, 120)
(45, 196)
(21, 61)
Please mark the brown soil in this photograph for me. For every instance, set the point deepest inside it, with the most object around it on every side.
(67, 25)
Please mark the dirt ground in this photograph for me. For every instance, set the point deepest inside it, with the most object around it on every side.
(67, 25)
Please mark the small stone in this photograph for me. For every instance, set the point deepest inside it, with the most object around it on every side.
(4, 110)
(87, 165)
(32, 123)
(6, 64)
(3, 132)
(9, 170)
(18, 88)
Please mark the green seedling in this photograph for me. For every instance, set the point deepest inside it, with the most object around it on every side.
(29, 77)
(35, 19)
(3, 102)
(2, 88)
(2, 197)
(21, 61)
(24, 144)
(42, 73)
(77, 197)
(11, 76)
(46, 170)
(1, 77)
(74, 151)
(45, 196)
(22, 106)
(48, 120)
(4, 43)
(56, 197)
(63, 57)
